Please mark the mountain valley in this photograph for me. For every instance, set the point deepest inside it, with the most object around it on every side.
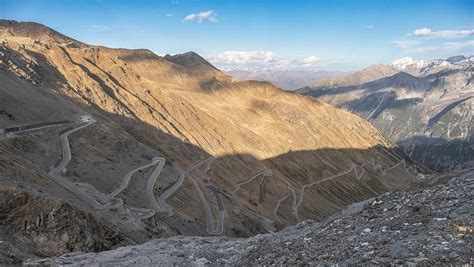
(141, 147)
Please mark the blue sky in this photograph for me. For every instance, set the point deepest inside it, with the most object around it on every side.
(333, 35)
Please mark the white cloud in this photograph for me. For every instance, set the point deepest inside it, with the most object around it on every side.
(406, 43)
(370, 26)
(209, 16)
(260, 60)
(243, 58)
(422, 32)
(99, 28)
(427, 32)
(311, 59)
(169, 15)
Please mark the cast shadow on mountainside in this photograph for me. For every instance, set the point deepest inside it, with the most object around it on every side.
(432, 121)
(440, 154)
(372, 101)
(293, 168)
(249, 208)
(400, 79)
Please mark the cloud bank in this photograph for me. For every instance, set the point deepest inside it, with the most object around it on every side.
(260, 60)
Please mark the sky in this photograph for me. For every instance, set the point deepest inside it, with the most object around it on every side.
(243, 34)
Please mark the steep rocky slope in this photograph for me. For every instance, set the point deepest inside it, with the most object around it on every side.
(35, 221)
(158, 146)
(433, 226)
(428, 111)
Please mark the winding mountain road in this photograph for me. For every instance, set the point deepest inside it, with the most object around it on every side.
(32, 127)
(264, 173)
(280, 200)
(261, 195)
(142, 213)
(56, 174)
(376, 166)
(267, 223)
(160, 205)
(102, 201)
(218, 229)
(128, 176)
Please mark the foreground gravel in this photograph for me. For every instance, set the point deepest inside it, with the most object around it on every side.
(433, 226)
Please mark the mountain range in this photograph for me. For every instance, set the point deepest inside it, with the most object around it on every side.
(425, 106)
(288, 79)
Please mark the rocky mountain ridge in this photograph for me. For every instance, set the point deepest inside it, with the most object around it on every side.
(156, 146)
(427, 67)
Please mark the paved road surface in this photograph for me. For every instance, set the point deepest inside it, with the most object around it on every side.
(210, 228)
(280, 200)
(56, 174)
(168, 192)
(375, 165)
(264, 173)
(128, 176)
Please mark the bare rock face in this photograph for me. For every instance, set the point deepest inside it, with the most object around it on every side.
(50, 226)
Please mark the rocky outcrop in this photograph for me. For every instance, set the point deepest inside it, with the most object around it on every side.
(44, 226)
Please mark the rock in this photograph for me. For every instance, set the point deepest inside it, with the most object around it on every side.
(328, 242)
(50, 226)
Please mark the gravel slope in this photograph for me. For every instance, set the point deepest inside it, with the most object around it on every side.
(431, 226)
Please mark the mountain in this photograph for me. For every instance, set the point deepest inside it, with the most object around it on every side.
(366, 75)
(285, 79)
(426, 106)
(427, 67)
(418, 227)
(103, 147)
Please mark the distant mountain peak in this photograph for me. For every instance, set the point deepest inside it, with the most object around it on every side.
(424, 67)
(403, 74)
(456, 59)
(33, 30)
(190, 60)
